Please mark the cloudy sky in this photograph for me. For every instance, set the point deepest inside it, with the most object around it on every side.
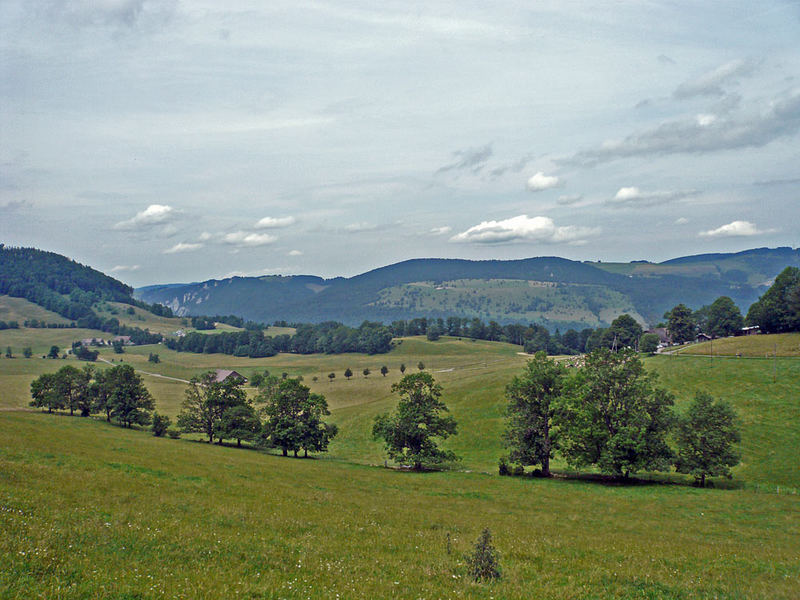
(174, 141)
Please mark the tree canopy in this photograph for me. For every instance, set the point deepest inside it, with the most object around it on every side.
(410, 433)
(778, 310)
(680, 324)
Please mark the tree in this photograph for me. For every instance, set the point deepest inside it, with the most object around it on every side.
(483, 564)
(626, 331)
(723, 318)
(206, 400)
(680, 323)
(409, 433)
(384, 370)
(402, 368)
(53, 352)
(705, 436)
(648, 343)
(9, 354)
(27, 352)
(294, 418)
(348, 373)
(128, 400)
(153, 358)
(331, 377)
(421, 366)
(778, 310)
(366, 372)
(239, 422)
(433, 334)
(119, 347)
(44, 391)
(532, 400)
(160, 424)
(613, 416)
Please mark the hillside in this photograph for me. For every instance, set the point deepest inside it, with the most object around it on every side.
(553, 291)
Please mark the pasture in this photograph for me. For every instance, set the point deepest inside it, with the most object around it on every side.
(91, 510)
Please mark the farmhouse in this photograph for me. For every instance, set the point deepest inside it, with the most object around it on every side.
(125, 339)
(664, 339)
(224, 374)
(753, 330)
(703, 337)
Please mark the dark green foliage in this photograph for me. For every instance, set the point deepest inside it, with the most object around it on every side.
(119, 347)
(206, 401)
(331, 377)
(384, 370)
(421, 366)
(532, 400)
(625, 330)
(128, 400)
(502, 467)
(160, 424)
(203, 323)
(723, 318)
(81, 352)
(348, 372)
(153, 358)
(614, 417)
(433, 334)
(366, 372)
(239, 422)
(53, 352)
(294, 417)
(174, 433)
(409, 433)
(402, 368)
(648, 343)
(778, 310)
(483, 564)
(705, 436)
(27, 352)
(680, 323)
(9, 353)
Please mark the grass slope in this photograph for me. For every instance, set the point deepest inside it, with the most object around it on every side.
(92, 511)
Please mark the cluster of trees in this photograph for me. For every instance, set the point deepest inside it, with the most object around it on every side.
(328, 338)
(9, 325)
(611, 415)
(118, 393)
(288, 416)
(778, 310)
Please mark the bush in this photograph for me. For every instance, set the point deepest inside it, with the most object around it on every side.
(174, 433)
(160, 425)
(519, 471)
(502, 467)
(483, 564)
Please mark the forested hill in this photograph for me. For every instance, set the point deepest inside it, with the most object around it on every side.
(56, 282)
(552, 291)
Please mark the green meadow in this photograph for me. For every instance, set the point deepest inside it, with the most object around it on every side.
(90, 510)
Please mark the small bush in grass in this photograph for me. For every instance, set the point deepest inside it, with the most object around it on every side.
(484, 563)
(502, 467)
(160, 425)
(519, 471)
(174, 433)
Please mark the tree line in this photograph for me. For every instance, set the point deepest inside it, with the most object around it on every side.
(326, 338)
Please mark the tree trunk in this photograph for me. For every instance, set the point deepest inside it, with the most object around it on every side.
(305, 452)
(285, 451)
(295, 453)
(546, 467)
(703, 480)
(239, 443)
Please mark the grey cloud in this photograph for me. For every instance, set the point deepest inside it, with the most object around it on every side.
(13, 205)
(514, 167)
(471, 159)
(710, 84)
(113, 13)
(566, 200)
(696, 136)
(665, 60)
(633, 196)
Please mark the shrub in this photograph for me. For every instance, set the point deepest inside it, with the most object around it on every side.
(483, 564)
(160, 425)
(174, 433)
(502, 467)
(519, 471)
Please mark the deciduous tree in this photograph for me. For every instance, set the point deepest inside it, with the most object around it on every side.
(409, 434)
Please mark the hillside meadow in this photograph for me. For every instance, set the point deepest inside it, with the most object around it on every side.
(90, 510)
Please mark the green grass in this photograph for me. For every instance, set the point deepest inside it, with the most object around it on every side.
(88, 510)
(20, 310)
(756, 346)
(92, 511)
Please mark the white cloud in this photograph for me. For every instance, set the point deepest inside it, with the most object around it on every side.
(153, 215)
(275, 222)
(295, 253)
(205, 236)
(183, 247)
(524, 228)
(441, 230)
(359, 227)
(541, 182)
(735, 229)
(681, 221)
(633, 196)
(251, 240)
(123, 268)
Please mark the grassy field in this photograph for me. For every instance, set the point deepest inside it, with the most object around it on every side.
(20, 310)
(92, 511)
(755, 346)
(89, 510)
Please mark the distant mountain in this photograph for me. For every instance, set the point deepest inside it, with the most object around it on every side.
(553, 291)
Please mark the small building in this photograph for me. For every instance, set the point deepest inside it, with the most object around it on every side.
(664, 338)
(752, 330)
(93, 342)
(703, 337)
(225, 374)
(125, 339)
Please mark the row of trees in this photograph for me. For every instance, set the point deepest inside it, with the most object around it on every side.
(327, 338)
(611, 415)
(285, 415)
(118, 393)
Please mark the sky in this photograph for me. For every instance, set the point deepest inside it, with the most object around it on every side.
(177, 141)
